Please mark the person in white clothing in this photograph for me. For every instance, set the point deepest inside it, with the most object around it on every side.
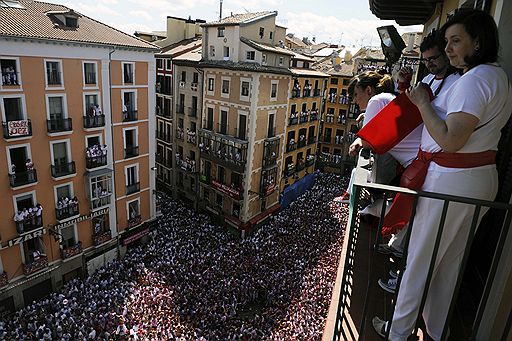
(467, 119)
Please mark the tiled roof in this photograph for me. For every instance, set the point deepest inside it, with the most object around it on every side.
(295, 40)
(181, 47)
(242, 18)
(33, 22)
(342, 69)
(268, 48)
(369, 54)
(191, 56)
(244, 66)
(308, 72)
(299, 56)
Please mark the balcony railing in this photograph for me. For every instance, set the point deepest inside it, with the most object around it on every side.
(29, 224)
(95, 121)
(131, 151)
(67, 212)
(53, 77)
(59, 125)
(132, 188)
(317, 92)
(63, 169)
(295, 93)
(101, 238)
(4, 280)
(95, 161)
(289, 169)
(102, 200)
(293, 119)
(15, 129)
(312, 139)
(10, 78)
(304, 117)
(291, 146)
(300, 165)
(35, 266)
(130, 115)
(23, 178)
(192, 112)
(71, 251)
(134, 221)
(179, 133)
(310, 160)
(351, 313)
(301, 143)
(223, 149)
(313, 116)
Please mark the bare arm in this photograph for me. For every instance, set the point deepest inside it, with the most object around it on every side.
(358, 143)
(451, 135)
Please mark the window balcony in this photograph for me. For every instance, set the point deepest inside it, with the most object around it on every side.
(338, 139)
(4, 280)
(16, 129)
(192, 112)
(270, 152)
(59, 125)
(293, 119)
(32, 222)
(10, 78)
(23, 178)
(332, 160)
(35, 266)
(71, 251)
(295, 93)
(191, 137)
(131, 151)
(312, 139)
(291, 146)
(54, 78)
(132, 188)
(225, 150)
(306, 92)
(331, 97)
(289, 169)
(100, 201)
(179, 133)
(317, 92)
(180, 108)
(326, 139)
(300, 165)
(301, 143)
(130, 115)
(313, 116)
(63, 169)
(134, 221)
(67, 212)
(96, 121)
(101, 238)
(304, 117)
(310, 160)
(186, 165)
(95, 161)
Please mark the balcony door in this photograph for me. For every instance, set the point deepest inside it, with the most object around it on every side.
(19, 156)
(13, 109)
(60, 154)
(223, 122)
(56, 109)
(242, 127)
(209, 120)
(131, 176)
(270, 128)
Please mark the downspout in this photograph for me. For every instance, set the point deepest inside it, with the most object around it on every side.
(112, 136)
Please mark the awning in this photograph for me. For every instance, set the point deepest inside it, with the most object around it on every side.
(404, 12)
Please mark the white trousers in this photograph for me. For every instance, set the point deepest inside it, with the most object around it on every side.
(480, 183)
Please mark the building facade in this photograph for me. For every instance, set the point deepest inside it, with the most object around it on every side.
(244, 111)
(77, 130)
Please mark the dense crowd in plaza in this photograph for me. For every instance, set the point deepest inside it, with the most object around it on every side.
(195, 281)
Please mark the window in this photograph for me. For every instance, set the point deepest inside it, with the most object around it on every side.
(61, 159)
(212, 51)
(131, 148)
(209, 119)
(132, 179)
(159, 63)
(53, 73)
(226, 52)
(133, 210)
(264, 59)
(225, 86)
(90, 103)
(334, 80)
(168, 64)
(221, 174)
(245, 89)
(223, 122)
(271, 35)
(128, 72)
(13, 108)
(183, 76)
(242, 127)
(100, 190)
(195, 77)
(250, 55)
(220, 31)
(9, 69)
(211, 84)
(281, 61)
(90, 73)
(273, 90)
(71, 22)
(262, 32)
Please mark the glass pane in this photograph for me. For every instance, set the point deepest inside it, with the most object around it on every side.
(55, 106)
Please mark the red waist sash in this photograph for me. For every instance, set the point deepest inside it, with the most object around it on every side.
(414, 177)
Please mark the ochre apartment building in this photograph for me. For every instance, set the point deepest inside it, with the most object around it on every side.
(78, 132)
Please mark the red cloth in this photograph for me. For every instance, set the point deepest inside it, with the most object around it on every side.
(392, 124)
(401, 209)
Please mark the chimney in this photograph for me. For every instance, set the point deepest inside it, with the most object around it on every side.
(220, 11)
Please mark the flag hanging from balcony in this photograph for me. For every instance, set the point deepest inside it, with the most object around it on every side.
(400, 117)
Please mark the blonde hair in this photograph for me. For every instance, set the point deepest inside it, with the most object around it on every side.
(379, 83)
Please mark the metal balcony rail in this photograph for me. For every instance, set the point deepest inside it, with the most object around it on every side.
(67, 212)
(90, 78)
(58, 125)
(23, 178)
(53, 78)
(131, 151)
(132, 188)
(95, 121)
(356, 329)
(130, 115)
(63, 169)
(10, 78)
(312, 139)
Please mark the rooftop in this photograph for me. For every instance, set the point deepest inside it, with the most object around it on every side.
(181, 47)
(34, 21)
(242, 18)
(268, 48)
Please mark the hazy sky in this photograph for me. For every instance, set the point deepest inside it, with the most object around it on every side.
(348, 22)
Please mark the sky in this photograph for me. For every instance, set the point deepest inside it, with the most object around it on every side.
(346, 22)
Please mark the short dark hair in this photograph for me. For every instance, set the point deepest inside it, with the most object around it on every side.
(482, 27)
(433, 39)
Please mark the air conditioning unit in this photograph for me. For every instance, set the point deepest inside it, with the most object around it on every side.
(182, 84)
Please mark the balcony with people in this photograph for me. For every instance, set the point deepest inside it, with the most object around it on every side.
(291, 146)
(22, 177)
(268, 182)
(289, 168)
(307, 90)
(294, 118)
(313, 115)
(191, 137)
(301, 164)
(9, 72)
(179, 133)
(331, 97)
(224, 149)
(310, 160)
(67, 208)
(270, 153)
(304, 117)
(302, 139)
(96, 156)
(28, 219)
(94, 117)
(187, 165)
(36, 263)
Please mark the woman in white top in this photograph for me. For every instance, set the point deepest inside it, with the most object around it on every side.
(466, 119)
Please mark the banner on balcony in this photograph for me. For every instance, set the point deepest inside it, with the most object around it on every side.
(24, 238)
(232, 192)
(18, 128)
(81, 218)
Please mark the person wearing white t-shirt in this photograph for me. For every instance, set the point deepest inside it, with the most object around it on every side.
(467, 119)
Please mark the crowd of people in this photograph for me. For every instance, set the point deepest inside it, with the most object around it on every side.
(194, 280)
(29, 218)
